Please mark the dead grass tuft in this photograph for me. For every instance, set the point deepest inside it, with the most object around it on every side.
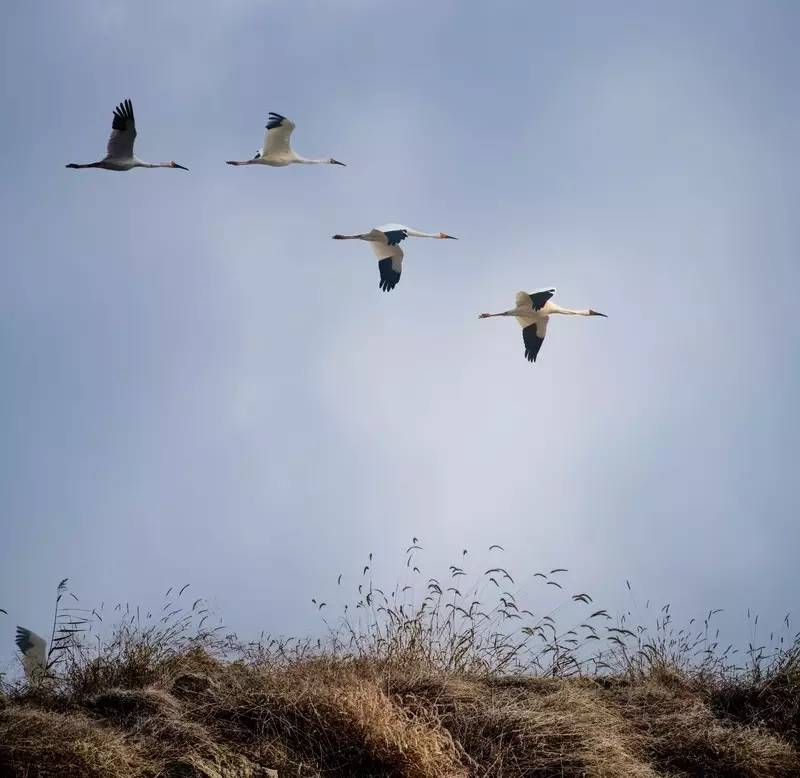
(532, 727)
(36, 743)
(681, 734)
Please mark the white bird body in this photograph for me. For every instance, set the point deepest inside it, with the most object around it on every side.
(385, 242)
(277, 150)
(34, 652)
(533, 311)
(119, 151)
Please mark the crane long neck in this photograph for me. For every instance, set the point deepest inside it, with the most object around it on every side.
(568, 311)
(418, 234)
(527, 313)
(140, 163)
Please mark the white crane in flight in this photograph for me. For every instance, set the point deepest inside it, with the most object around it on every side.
(119, 152)
(533, 311)
(385, 242)
(276, 150)
(34, 652)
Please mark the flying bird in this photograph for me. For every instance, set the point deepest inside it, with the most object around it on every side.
(533, 311)
(276, 151)
(385, 242)
(33, 650)
(119, 152)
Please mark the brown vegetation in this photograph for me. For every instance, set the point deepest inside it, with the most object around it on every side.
(426, 692)
(201, 716)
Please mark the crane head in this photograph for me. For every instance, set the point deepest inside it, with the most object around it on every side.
(596, 313)
(444, 235)
(333, 161)
(175, 164)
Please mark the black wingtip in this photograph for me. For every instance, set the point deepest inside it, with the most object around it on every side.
(274, 120)
(394, 237)
(122, 113)
(22, 639)
(389, 276)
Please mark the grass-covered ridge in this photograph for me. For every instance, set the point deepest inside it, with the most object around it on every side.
(433, 678)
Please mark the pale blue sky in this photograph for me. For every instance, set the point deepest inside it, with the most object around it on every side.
(199, 385)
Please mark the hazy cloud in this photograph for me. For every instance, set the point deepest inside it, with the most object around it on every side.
(199, 385)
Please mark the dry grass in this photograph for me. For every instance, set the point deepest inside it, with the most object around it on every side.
(348, 717)
(438, 689)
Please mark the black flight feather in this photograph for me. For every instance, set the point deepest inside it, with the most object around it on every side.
(389, 276)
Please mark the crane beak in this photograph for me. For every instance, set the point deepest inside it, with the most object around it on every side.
(597, 313)
(444, 235)
(336, 162)
(180, 167)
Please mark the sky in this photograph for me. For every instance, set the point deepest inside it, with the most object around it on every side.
(199, 386)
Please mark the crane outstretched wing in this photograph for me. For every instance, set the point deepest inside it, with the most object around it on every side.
(276, 138)
(535, 299)
(533, 337)
(390, 266)
(123, 132)
(33, 650)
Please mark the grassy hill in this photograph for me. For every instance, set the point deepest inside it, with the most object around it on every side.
(193, 715)
(430, 690)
